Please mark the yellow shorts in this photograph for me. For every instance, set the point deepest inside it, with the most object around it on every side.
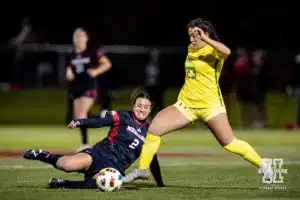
(204, 114)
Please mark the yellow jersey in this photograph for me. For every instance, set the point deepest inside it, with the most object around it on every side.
(202, 72)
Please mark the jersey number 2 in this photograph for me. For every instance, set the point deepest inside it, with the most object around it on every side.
(134, 144)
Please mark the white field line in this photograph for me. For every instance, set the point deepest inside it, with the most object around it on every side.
(206, 163)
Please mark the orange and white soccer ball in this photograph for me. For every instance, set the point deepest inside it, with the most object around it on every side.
(109, 180)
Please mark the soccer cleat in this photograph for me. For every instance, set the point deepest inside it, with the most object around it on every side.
(136, 174)
(266, 170)
(33, 153)
(56, 183)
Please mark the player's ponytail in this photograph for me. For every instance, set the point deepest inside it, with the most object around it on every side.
(206, 26)
(140, 92)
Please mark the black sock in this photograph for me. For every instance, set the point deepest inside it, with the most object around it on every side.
(156, 172)
(49, 158)
(86, 184)
(69, 114)
(83, 131)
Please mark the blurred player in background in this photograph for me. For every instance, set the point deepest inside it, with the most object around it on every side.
(153, 81)
(294, 88)
(259, 88)
(119, 150)
(26, 34)
(200, 98)
(242, 70)
(83, 66)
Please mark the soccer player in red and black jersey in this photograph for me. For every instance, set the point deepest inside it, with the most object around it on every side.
(119, 150)
(83, 66)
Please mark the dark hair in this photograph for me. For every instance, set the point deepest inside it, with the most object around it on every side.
(206, 26)
(140, 92)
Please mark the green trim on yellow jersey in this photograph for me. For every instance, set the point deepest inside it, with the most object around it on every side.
(216, 77)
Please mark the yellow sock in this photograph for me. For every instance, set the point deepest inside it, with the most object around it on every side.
(242, 148)
(149, 149)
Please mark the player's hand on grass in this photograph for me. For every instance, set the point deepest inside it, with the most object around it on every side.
(74, 124)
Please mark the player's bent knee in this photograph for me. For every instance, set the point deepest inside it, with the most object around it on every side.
(66, 164)
(158, 128)
(81, 115)
(154, 130)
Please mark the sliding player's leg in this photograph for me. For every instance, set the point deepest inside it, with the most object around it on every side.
(62, 183)
(43, 156)
(221, 129)
(77, 162)
(101, 157)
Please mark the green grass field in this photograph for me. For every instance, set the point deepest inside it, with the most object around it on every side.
(208, 173)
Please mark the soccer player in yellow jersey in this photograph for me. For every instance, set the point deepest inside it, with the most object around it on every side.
(199, 98)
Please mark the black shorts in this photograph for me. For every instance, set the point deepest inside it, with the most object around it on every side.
(90, 93)
(102, 157)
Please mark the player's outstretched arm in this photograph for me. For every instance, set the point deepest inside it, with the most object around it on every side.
(110, 119)
(92, 122)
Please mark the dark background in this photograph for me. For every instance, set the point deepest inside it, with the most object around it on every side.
(268, 25)
(264, 24)
(271, 26)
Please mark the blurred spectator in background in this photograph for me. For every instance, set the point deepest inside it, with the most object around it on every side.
(152, 81)
(242, 70)
(26, 34)
(83, 66)
(251, 87)
(258, 89)
(294, 88)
